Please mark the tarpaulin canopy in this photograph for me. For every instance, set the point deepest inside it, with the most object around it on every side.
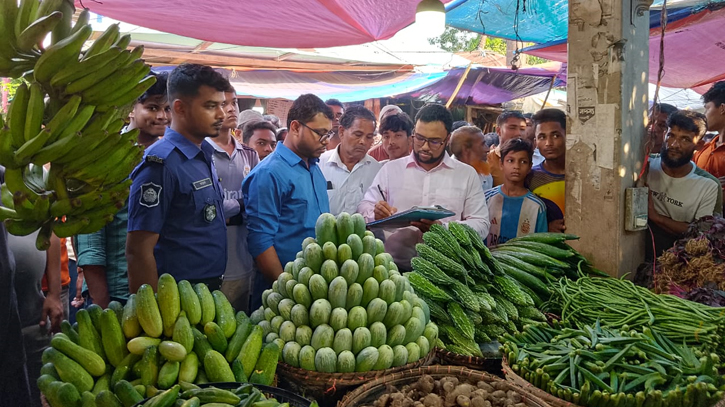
(694, 55)
(539, 21)
(483, 85)
(267, 23)
(490, 86)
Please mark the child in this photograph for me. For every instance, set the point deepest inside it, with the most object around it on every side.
(512, 208)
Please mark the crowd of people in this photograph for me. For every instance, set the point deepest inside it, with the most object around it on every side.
(224, 197)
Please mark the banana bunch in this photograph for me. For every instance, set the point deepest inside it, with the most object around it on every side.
(66, 159)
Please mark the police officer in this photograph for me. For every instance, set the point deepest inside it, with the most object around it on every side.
(176, 219)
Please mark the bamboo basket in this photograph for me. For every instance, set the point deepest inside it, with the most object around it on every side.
(328, 388)
(488, 365)
(530, 388)
(368, 393)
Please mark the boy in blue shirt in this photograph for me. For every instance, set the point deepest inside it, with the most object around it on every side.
(512, 208)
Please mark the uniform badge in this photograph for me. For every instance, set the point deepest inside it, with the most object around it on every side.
(209, 213)
(150, 195)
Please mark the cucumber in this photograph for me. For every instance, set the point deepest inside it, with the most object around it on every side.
(326, 360)
(190, 303)
(354, 296)
(89, 360)
(168, 374)
(338, 318)
(325, 229)
(148, 312)
(320, 312)
(300, 315)
(356, 245)
(322, 337)
(345, 227)
(361, 339)
(385, 358)
(172, 351)
(106, 398)
(235, 344)
(378, 334)
(349, 271)
(329, 250)
(318, 287)
(88, 335)
(182, 332)
(307, 357)
(215, 336)
(206, 301)
(169, 302)
(337, 292)
(343, 341)
(126, 393)
(365, 264)
(189, 368)
(345, 362)
(129, 320)
(114, 343)
(266, 365)
(313, 257)
(291, 354)
(356, 318)
(344, 253)
(366, 359)
(250, 350)
(303, 335)
(359, 225)
(217, 368)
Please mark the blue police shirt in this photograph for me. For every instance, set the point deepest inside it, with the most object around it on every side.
(176, 193)
(283, 199)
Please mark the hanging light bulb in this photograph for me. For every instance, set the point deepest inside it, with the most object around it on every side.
(430, 18)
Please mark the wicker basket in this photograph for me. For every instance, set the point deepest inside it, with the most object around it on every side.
(328, 388)
(281, 395)
(370, 392)
(531, 389)
(487, 365)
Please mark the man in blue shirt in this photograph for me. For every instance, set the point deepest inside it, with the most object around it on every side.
(286, 193)
(175, 213)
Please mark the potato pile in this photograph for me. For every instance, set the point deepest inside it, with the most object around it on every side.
(450, 392)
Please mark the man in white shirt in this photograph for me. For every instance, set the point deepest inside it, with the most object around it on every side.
(348, 169)
(428, 176)
(680, 192)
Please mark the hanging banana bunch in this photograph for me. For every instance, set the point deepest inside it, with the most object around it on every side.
(65, 114)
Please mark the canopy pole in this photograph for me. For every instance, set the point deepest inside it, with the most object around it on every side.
(553, 79)
(458, 87)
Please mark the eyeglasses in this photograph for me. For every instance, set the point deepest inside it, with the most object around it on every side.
(323, 137)
(433, 142)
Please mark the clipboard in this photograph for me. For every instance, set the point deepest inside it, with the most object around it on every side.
(414, 214)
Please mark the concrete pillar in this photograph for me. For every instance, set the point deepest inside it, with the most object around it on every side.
(606, 107)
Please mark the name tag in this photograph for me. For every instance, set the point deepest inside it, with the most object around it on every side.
(202, 183)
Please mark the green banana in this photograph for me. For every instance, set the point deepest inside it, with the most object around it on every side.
(88, 201)
(100, 121)
(109, 70)
(76, 71)
(23, 206)
(123, 171)
(130, 96)
(37, 31)
(42, 241)
(103, 42)
(69, 138)
(63, 117)
(16, 114)
(32, 146)
(61, 53)
(26, 14)
(8, 14)
(90, 142)
(6, 197)
(123, 41)
(20, 227)
(78, 161)
(35, 178)
(7, 213)
(82, 20)
(97, 223)
(34, 112)
(101, 168)
(129, 75)
(15, 181)
(7, 153)
(41, 207)
(71, 226)
(47, 7)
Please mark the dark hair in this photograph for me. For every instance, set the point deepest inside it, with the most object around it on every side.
(186, 79)
(550, 115)
(334, 102)
(433, 112)
(306, 107)
(507, 114)
(664, 108)
(517, 144)
(280, 131)
(491, 139)
(716, 94)
(252, 125)
(458, 124)
(272, 119)
(356, 112)
(157, 89)
(397, 122)
(689, 121)
(528, 116)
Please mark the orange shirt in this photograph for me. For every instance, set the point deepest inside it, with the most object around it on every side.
(64, 273)
(378, 152)
(712, 158)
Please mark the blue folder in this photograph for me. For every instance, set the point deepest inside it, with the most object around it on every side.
(414, 214)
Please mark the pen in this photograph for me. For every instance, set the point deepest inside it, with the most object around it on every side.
(381, 193)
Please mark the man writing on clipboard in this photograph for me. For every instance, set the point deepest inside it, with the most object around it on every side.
(427, 177)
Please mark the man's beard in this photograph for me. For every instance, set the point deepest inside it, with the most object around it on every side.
(674, 163)
(431, 160)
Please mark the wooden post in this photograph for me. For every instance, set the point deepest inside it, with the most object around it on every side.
(458, 87)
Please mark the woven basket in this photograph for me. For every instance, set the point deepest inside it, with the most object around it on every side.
(492, 366)
(531, 389)
(328, 388)
(368, 393)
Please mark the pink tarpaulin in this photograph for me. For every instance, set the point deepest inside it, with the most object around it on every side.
(694, 51)
(267, 23)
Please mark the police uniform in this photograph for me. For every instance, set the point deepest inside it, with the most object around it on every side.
(176, 193)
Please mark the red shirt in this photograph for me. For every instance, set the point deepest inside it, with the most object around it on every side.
(378, 153)
(712, 158)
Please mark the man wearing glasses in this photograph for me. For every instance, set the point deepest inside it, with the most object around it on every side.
(286, 193)
(427, 177)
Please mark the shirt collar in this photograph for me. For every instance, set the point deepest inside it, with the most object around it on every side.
(219, 148)
(291, 158)
(189, 149)
(335, 158)
(447, 162)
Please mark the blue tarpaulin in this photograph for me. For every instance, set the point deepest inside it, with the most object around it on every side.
(540, 21)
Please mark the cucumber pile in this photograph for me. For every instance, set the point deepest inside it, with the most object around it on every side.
(476, 295)
(593, 366)
(343, 306)
(120, 355)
